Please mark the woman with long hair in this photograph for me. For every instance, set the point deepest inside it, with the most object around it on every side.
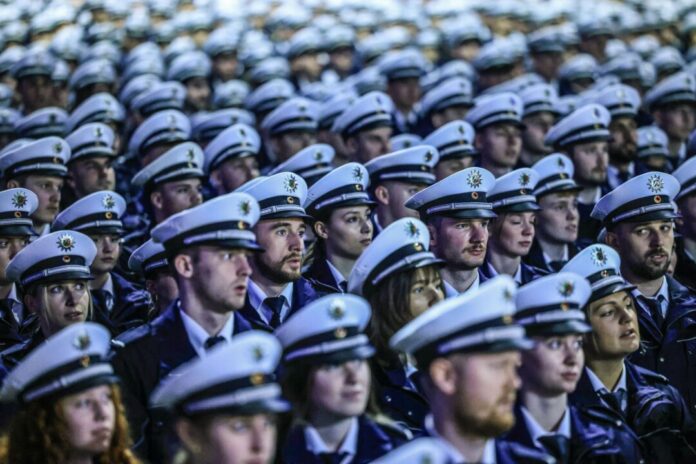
(401, 279)
(69, 408)
(326, 377)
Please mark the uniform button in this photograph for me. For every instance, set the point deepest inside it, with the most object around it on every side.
(409, 414)
(619, 423)
(388, 398)
(662, 359)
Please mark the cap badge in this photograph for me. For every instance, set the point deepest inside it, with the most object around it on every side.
(245, 207)
(560, 162)
(507, 319)
(357, 174)
(598, 257)
(474, 179)
(82, 341)
(340, 332)
(57, 148)
(52, 118)
(596, 113)
(524, 179)
(258, 353)
(461, 129)
(98, 132)
(318, 155)
(65, 243)
(291, 184)
(19, 200)
(337, 310)
(256, 379)
(507, 295)
(242, 132)
(428, 156)
(190, 155)
(566, 288)
(655, 183)
(412, 230)
(108, 202)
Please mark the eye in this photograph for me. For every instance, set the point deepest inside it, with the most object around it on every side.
(417, 289)
(4, 243)
(55, 290)
(281, 232)
(239, 426)
(79, 286)
(607, 313)
(302, 232)
(578, 344)
(553, 344)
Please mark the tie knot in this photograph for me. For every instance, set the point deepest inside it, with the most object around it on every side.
(556, 445)
(212, 341)
(275, 303)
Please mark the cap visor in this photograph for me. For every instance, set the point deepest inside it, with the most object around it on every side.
(288, 215)
(17, 231)
(653, 216)
(468, 214)
(519, 208)
(611, 289)
(337, 357)
(558, 328)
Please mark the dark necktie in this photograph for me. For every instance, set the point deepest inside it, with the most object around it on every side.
(615, 400)
(7, 315)
(332, 458)
(655, 309)
(557, 446)
(275, 304)
(343, 286)
(212, 341)
(103, 299)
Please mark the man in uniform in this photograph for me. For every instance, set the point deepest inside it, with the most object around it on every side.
(686, 243)
(231, 158)
(539, 115)
(290, 128)
(403, 70)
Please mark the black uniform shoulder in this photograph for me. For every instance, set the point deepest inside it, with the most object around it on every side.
(134, 335)
(394, 430)
(652, 377)
(515, 452)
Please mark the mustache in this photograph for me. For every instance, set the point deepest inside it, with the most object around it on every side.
(655, 252)
(292, 256)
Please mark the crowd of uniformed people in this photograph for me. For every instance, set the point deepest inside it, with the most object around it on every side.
(347, 231)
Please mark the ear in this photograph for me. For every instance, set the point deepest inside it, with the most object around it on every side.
(433, 236)
(382, 195)
(215, 180)
(351, 144)
(478, 141)
(443, 376)
(189, 435)
(321, 230)
(70, 180)
(275, 145)
(659, 117)
(437, 120)
(12, 183)
(156, 200)
(32, 303)
(612, 240)
(183, 264)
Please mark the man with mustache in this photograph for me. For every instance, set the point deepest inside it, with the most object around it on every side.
(468, 349)
(277, 288)
(639, 219)
(583, 135)
(92, 152)
(208, 250)
(540, 112)
(457, 214)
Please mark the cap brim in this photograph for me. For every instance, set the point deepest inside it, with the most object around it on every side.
(337, 357)
(653, 216)
(343, 204)
(558, 328)
(611, 289)
(519, 208)
(468, 214)
(560, 189)
(287, 215)
(17, 231)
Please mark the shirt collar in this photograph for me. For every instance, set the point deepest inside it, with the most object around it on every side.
(108, 286)
(338, 277)
(256, 297)
(547, 258)
(537, 431)
(598, 386)
(349, 445)
(453, 454)
(197, 334)
(13, 293)
(451, 291)
(518, 273)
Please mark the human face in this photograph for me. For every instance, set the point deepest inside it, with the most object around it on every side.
(500, 145)
(342, 60)
(645, 248)
(9, 247)
(90, 418)
(287, 144)
(108, 252)
(558, 220)
(460, 242)
(513, 233)
(547, 64)
(219, 277)
(449, 114)
(482, 392)
(624, 143)
(93, 174)
(448, 167)
(283, 244)
(198, 93)
(536, 127)
(426, 290)
(60, 304)
(398, 193)
(234, 172)
(405, 92)
(225, 66)
(348, 232)
(163, 289)
(173, 197)
(591, 160)
(615, 332)
(48, 190)
(678, 121)
(687, 208)
(239, 439)
(369, 144)
(339, 391)
(554, 365)
(336, 141)
(36, 92)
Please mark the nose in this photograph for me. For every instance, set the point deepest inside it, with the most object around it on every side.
(244, 268)
(295, 242)
(478, 233)
(197, 197)
(436, 294)
(366, 227)
(573, 213)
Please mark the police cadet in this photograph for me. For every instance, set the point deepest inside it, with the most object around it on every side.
(639, 218)
(403, 69)
(467, 348)
(231, 158)
(226, 411)
(652, 150)
(512, 230)
(400, 277)
(51, 274)
(366, 127)
(289, 128)
(157, 134)
(116, 303)
(193, 69)
(396, 177)
(457, 213)
(454, 142)
(557, 221)
(686, 225)
(328, 112)
(551, 311)
(207, 248)
(540, 103)
(671, 103)
(16, 208)
(498, 122)
(278, 289)
(33, 75)
(644, 400)
(325, 350)
(583, 136)
(449, 101)
(340, 206)
(208, 125)
(311, 163)
(149, 261)
(38, 166)
(90, 167)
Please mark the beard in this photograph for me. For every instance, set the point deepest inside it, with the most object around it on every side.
(646, 270)
(469, 420)
(276, 273)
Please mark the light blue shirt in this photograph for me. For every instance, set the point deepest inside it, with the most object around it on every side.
(518, 273)
(600, 388)
(662, 296)
(537, 431)
(338, 277)
(451, 291)
(349, 446)
(197, 335)
(257, 296)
